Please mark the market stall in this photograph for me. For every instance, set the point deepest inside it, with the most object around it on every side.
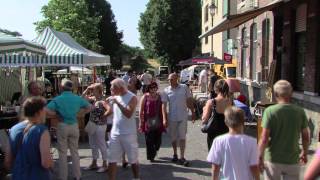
(18, 58)
(64, 51)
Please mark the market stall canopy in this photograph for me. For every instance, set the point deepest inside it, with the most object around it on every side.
(63, 50)
(15, 51)
(200, 60)
(233, 21)
(74, 69)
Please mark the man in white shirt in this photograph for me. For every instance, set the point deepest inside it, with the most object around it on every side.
(179, 98)
(123, 138)
(203, 80)
(146, 79)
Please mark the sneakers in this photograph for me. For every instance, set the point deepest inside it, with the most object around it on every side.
(184, 162)
(175, 158)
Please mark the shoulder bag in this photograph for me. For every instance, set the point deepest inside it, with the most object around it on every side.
(211, 124)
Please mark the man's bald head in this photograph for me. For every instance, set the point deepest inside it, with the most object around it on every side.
(173, 79)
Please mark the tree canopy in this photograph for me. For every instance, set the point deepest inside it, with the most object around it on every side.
(72, 17)
(109, 36)
(169, 29)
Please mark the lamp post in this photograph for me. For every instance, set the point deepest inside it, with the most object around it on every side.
(212, 10)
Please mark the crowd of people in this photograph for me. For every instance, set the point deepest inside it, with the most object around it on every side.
(112, 114)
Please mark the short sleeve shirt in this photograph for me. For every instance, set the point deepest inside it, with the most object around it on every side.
(177, 100)
(235, 154)
(285, 122)
(67, 105)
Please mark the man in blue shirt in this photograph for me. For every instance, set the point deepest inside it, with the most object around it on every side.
(67, 106)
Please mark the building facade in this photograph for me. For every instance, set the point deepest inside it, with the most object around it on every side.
(275, 39)
(217, 44)
(288, 36)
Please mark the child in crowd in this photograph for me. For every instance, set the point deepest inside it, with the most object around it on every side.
(234, 155)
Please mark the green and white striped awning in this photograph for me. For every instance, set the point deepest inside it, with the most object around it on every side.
(63, 50)
(7, 60)
(15, 51)
(12, 44)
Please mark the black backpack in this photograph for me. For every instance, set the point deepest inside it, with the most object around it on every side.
(138, 84)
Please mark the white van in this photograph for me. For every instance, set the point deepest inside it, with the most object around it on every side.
(163, 72)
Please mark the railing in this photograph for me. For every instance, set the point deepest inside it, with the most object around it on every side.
(247, 5)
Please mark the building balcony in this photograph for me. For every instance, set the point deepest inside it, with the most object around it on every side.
(247, 5)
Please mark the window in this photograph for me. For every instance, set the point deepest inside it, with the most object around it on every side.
(265, 48)
(300, 61)
(225, 11)
(206, 38)
(225, 38)
(206, 13)
(243, 53)
(253, 50)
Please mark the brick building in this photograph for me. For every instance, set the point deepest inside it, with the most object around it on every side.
(284, 33)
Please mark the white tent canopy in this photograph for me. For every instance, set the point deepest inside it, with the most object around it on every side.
(63, 50)
(77, 70)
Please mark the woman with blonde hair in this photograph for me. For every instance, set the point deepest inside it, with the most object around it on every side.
(217, 105)
(97, 125)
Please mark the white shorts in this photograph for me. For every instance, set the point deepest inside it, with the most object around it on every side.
(120, 144)
(178, 130)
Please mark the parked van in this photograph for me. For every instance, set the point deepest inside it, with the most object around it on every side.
(163, 72)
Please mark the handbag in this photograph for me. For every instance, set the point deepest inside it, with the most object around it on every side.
(90, 128)
(211, 124)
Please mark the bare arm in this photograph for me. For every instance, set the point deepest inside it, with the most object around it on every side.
(262, 146)
(50, 112)
(255, 172)
(164, 114)
(313, 169)
(108, 109)
(141, 112)
(206, 111)
(46, 159)
(215, 171)
(190, 105)
(8, 159)
(305, 144)
(130, 109)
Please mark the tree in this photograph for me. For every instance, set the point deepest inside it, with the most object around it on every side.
(109, 36)
(72, 17)
(169, 29)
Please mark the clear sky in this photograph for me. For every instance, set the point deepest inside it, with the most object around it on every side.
(19, 15)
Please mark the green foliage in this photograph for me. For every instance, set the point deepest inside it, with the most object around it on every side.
(109, 37)
(136, 57)
(169, 29)
(72, 16)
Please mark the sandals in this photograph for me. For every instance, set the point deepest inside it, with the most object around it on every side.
(102, 169)
(175, 158)
(184, 162)
(91, 167)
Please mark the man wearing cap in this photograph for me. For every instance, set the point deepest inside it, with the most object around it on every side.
(67, 106)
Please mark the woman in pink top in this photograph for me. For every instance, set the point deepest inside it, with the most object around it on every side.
(151, 121)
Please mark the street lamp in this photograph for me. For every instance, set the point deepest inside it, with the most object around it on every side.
(212, 10)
